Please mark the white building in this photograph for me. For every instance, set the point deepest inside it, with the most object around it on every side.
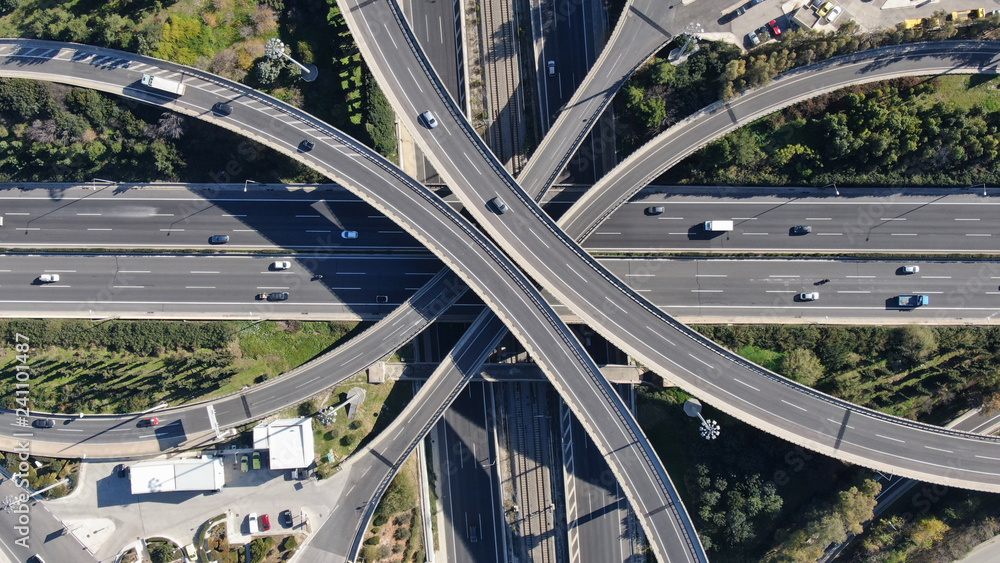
(198, 474)
(289, 442)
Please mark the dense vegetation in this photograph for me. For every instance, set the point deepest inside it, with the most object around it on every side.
(747, 489)
(659, 94)
(55, 133)
(73, 363)
(917, 372)
(396, 528)
(895, 133)
(754, 497)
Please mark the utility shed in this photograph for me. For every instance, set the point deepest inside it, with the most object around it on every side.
(288, 441)
(198, 474)
(804, 18)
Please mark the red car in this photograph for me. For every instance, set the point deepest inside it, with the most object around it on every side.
(265, 522)
(149, 421)
(774, 28)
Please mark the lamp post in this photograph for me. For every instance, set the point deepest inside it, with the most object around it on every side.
(976, 186)
(275, 49)
(247, 182)
(835, 190)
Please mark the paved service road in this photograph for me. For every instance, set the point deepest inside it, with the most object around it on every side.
(46, 535)
(683, 139)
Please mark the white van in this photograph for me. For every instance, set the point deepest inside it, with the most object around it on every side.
(252, 523)
(718, 225)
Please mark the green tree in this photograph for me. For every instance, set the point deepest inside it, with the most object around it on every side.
(914, 343)
(8, 6)
(802, 366)
(268, 71)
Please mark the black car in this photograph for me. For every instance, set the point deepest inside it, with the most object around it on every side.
(306, 145)
(278, 296)
(43, 423)
(223, 109)
(121, 470)
(285, 518)
(218, 239)
(802, 229)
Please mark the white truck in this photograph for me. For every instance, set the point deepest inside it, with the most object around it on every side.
(164, 84)
(718, 226)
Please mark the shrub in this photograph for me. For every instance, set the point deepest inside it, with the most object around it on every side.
(374, 540)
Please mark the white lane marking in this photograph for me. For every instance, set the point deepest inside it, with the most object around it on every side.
(853, 291)
(307, 216)
(939, 450)
(818, 219)
(744, 218)
(903, 234)
(318, 231)
(351, 273)
(794, 405)
(783, 276)
(199, 287)
(203, 272)
(859, 276)
(414, 79)
(640, 275)
(891, 438)
(171, 230)
(606, 233)
(98, 229)
(657, 333)
(128, 287)
(708, 365)
(16, 213)
(161, 214)
(756, 234)
(231, 215)
(988, 457)
(88, 214)
(892, 219)
(133, 271)
(978, 235)
(936, 277)
(473, 164)
(710, 275)
(963, 219)
(839, 423)
(670, 218)
(741, 382)
(829, 234)
(780, 291)
(706, 291)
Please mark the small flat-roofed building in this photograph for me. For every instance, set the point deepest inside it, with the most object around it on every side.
(163, 476)
(288, 441)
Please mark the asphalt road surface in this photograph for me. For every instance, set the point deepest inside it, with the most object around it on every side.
(468, 482)
(683, 139)
(694, 290)
(859, 220)
(45, 536)
(103, 216)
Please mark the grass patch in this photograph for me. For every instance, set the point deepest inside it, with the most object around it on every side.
(383, 403)
(762, 357)
(74, 363)
(45, 472)
(966, 92)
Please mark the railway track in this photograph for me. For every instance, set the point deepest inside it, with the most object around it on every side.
(536, 525)
(501, 69)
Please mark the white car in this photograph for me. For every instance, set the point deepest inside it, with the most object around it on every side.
(834, 13)
(48, 278)
(429, 120)
(808, 296)
(552, 68)
(911, 269)
(281, 265)
(252, 523)
(348, 234)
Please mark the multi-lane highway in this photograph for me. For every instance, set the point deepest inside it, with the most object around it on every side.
(624, 318)
(417, 220)
(692, 290)
(857, 220)
(683, 139)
